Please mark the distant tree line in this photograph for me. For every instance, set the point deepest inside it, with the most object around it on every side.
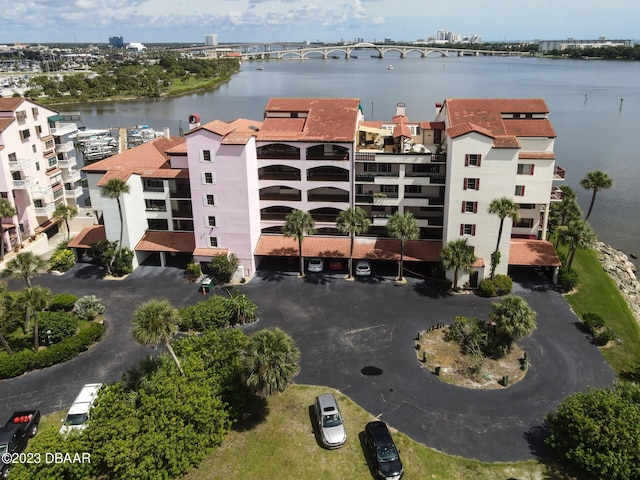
(132, 77)
(607, 53)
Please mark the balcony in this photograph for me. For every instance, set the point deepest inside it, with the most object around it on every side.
(64, 129)
(72, 177)
(20, 164)
(45, 211)
(68, 163)
(556, 194)
(558, 173)
(73, 192)
(24, 183)
(39, 193)
(182, 213)
(64, 147)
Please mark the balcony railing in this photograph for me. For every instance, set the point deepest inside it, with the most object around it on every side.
(556, 194)
(333, 156)
(364, 198)
(68, 163)
(279, 196)
(72, 177)
(183, 213)
(64, 129)
(73, 193)
(20, 164)
(328, 177)
(41, 192)
(365, 157)
(318, 197)
(279, 176)
(45, 211)
(64, 147)
(24, 183)
(558, 173)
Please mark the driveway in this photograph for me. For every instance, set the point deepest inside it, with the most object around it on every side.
(357, 337)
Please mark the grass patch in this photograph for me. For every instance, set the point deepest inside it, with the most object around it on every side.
(598, 293)
(284, 446)
(52, 421)
(180, 87)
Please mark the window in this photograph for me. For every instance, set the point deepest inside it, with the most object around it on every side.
(153, 185)
(38, 204)
(412, 189)
(469, 207)
(389, 188)
(49, 145)
(211, 221)
(472, 160)
(38, 130)
(527, 206)
(525, 169)
(208, 178)
(155, 205)
(24, 134)
(524, 223)
(210, 200)
(34, 112)
(213, 241)
(158, 224)
(34, 148)
(471, 184)
(467, 229)
(53, 161)
(13, 157)
(424, 168)
(58, 193)
(205, 156)
(519, 190)
(377, 167)
(21, 116)
(38, 166)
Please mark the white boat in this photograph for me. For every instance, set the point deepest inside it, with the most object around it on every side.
(389, 67)
(260, 68)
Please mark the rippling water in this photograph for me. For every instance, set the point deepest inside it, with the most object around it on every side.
(594, 105)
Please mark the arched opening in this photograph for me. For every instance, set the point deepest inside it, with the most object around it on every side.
(278, 150)
(277, 213)
(327, 151)
(279, 172)
(280, 192)
(328, 174)
(326, 214)
(328, 194)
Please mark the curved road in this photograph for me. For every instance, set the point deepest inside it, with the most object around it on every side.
(341, 328)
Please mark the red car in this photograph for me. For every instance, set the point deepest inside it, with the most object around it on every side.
(335, 265)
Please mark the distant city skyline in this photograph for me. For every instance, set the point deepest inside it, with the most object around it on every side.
(239, 21)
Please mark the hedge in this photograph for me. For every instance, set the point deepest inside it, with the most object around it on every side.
(63, 302)
(54, 327)
(15, 365)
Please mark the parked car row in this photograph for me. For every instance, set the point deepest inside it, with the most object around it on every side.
(316, 265)
(377, 437)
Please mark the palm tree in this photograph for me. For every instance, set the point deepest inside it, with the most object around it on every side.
(115, 188)
(36, 299)
(241, 308)
(563, 212)
(503, 207)
(271, 361)
(26, 265)
(6, 210)
(511, 319)
(596, 180)
(64, 213)
(578, 234)
(352, 222)
(297, 223)
(458, 255)
(155, 322)
(403, 227)
(7, 321)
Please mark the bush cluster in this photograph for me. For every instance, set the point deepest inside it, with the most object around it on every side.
(567, 279)
(470, 333)
(497, 286)
(192, 272)
(56, 326)
(63, 302)
(206, 315)
(88, 307)
(595, 326)
(62, 260)
(223, 267)
(14, 365)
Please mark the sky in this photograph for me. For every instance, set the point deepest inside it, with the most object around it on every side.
(242, 21)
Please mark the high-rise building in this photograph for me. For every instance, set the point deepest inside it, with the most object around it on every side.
(211, 40)
(116, 42)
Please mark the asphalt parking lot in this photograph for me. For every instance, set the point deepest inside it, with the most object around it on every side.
(357, 337)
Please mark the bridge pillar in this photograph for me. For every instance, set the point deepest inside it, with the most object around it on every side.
(403, 54)
(325, 55)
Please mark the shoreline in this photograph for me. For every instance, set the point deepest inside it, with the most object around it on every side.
(623, 272)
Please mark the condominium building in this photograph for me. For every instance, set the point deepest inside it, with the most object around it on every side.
(321, 156)
(38, 167)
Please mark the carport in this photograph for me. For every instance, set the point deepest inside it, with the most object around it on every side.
(534, 253)
(82, 242)
(179, 246)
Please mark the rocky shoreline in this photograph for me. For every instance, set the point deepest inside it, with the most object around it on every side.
(623, 272)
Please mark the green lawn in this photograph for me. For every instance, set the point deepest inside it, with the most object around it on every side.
(178, 87)
(598, 293)
(284, 446)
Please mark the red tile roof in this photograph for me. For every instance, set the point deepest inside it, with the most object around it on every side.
(209, 252)
(533, 253)
(338, 247)
(5, 122)
(87, 236)
(536, 155)
(318, 120)
(237, 132)
(9, 104)
(156, 241)
(149, 160)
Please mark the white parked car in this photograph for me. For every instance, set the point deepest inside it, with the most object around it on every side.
(78, 414)
(330, 423)
(363, 268)
(315, 265)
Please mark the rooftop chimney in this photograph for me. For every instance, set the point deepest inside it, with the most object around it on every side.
(194, 121)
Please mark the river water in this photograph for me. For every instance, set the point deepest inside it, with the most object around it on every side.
(594, 105)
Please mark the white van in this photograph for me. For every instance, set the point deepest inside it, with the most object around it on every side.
(78, 414)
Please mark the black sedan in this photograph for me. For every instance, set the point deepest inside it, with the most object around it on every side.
(383, 451)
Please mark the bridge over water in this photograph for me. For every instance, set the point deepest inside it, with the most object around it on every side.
(380, 51)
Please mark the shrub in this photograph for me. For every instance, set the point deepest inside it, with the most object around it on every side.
(192, 272)
(54, 327)
(62, 260)
(604, 336)
(223, 267)
(495, 287)
(14, 365)
(567, 279)
(122, 265)
(88, 307)
(470, 333)
(592, 322)
(63, 302)
(206, 315)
